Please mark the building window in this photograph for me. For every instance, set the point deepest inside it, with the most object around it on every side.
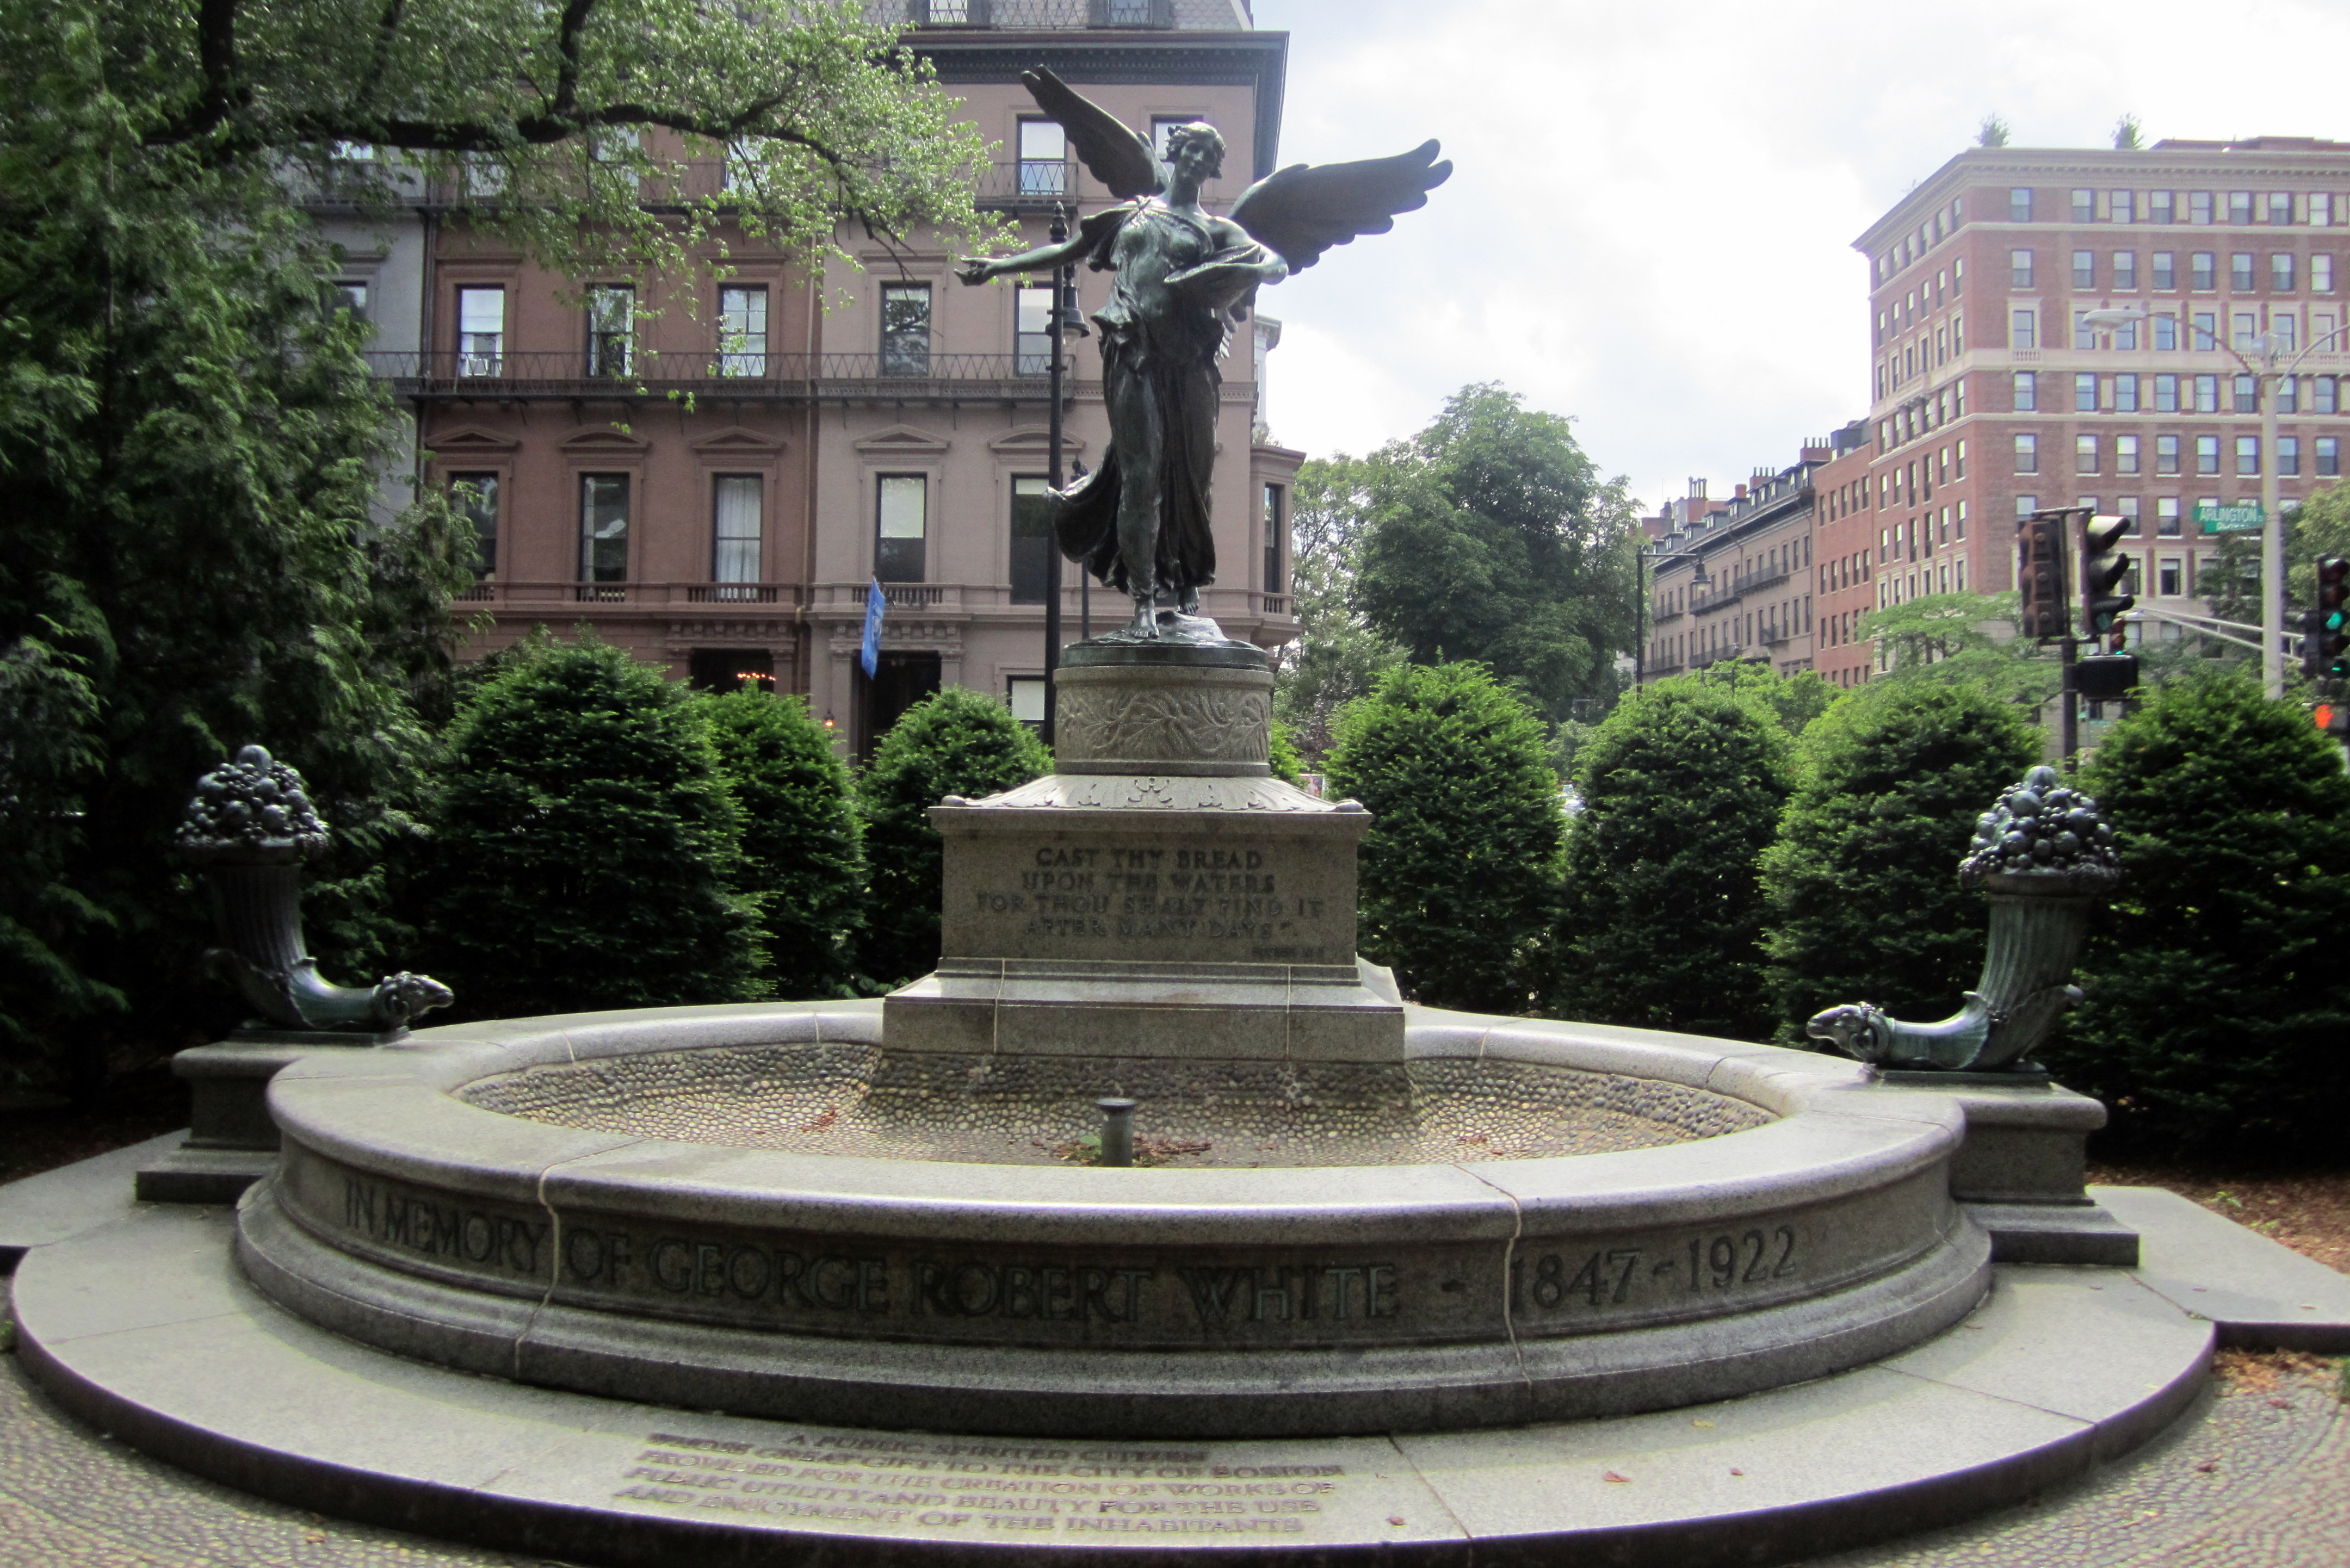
(2204, 271)
(2288, 394)
(2281, 207)
(2085, 269)
(2166, 454)
(2321, 209)
(2084, 392)
(2239, 207)
(2122, 204)
(2240, 272)
(2125, 507)
(2027, 453)
(2166, 394)
(2025, 505)
(2085, 206)
(1026, 696)
(611, 313)
(2324, 398)
(2246, 327)
(2165, 333)
(2023, 330)
(2165, 269)
(2207, 394)
(1043, 159)
(2207, 454)
(1031, 329)
(351, 294)
(2165, 517)
(2247, 395)
(2288, 455)
(2198, 206)
(2085, 454)
(1164, 124)
(743, 331)
(905, 333)
(2321, 275)
(2019, 204)
(2161, 206)
(2019, 268)
(2168, 578)
(603, 527)
(735, 530)
(1960, 452)
(2125, 269)
(1032, 539)
(2284, 334)
(2124, 394)
(901, 527)
(2125, 454)
(2281, 272)
(2206, 334)
(2329, 457)
(481, 331)
(1275, 530)
(2027, 391)
(2248, 455)
(477, 495)
(1960, 524)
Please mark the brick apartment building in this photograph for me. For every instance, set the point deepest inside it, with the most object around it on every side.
(1991, 396)
(901, 434)
(1733, 579)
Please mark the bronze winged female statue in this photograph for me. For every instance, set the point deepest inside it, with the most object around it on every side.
(1140, 523)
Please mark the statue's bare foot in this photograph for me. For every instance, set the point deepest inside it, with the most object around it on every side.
(1146, 619)
(1187, 602)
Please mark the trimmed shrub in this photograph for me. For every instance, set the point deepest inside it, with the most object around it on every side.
(1662, 920)
(1864, 902)
(2218, 1008)
(802, 846)
(1460, 866)
(955, 742)
(1284, 760)
(585, 848)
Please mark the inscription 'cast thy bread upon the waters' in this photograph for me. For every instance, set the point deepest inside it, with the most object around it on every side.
(1143, 892)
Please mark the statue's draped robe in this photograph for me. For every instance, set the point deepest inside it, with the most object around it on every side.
(1161, 346)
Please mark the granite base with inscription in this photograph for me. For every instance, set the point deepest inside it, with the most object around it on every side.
(1161, 894)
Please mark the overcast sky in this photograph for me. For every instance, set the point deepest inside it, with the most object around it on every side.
(1650, 223)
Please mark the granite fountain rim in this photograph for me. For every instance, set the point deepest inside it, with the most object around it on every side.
(392, 1112)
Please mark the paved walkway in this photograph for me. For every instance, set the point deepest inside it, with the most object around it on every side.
(2257, 1476)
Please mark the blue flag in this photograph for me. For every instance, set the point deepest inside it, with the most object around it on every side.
(875, 606)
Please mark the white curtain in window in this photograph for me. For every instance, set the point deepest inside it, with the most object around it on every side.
(737, 529)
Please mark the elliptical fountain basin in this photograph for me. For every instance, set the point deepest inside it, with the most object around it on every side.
(951, 1294)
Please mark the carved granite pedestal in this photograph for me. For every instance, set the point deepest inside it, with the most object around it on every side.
(1160, 895)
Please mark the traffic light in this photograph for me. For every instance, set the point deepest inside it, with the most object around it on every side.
(2329, 625)
(2040, 574)
(2103, 567)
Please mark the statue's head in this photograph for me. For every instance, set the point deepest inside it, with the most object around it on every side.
(1206, 144)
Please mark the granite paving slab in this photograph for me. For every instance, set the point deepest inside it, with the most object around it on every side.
(2262, 1295)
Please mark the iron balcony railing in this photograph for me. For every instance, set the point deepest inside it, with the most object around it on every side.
(1021, 185)
(479, 373)
(1038, 15)
(510, 594)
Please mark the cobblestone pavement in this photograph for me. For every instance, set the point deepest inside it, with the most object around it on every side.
(2258, 1475)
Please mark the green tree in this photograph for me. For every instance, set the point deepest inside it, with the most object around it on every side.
(1663, 916)
(1281, 754)
(1492, 537)
(191, 436)
(2218, 999)
(1337, 655)
(955, 742)
(587, 853)
(1862, 882)
(1459, 868)
(2319, 526)
(803, 845)
(1968, 640)
(1794, 699)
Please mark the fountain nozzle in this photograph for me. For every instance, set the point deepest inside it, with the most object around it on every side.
(1117, 1131)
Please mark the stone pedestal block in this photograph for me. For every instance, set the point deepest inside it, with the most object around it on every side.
(232, 1142)
(1180, 710)
(1151, 915)
(2022, 1168)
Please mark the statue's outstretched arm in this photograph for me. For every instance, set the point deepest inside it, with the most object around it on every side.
(979, 269)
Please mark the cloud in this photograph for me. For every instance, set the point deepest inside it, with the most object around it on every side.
(1650, 223)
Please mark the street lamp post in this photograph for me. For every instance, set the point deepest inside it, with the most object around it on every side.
(2268, 377)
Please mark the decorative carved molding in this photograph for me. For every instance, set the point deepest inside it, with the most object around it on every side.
(1194, 724)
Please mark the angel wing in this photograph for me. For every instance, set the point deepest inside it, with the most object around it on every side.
(1118, 156)
(1303, 210)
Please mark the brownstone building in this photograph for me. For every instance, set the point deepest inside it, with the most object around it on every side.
(710, 472)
